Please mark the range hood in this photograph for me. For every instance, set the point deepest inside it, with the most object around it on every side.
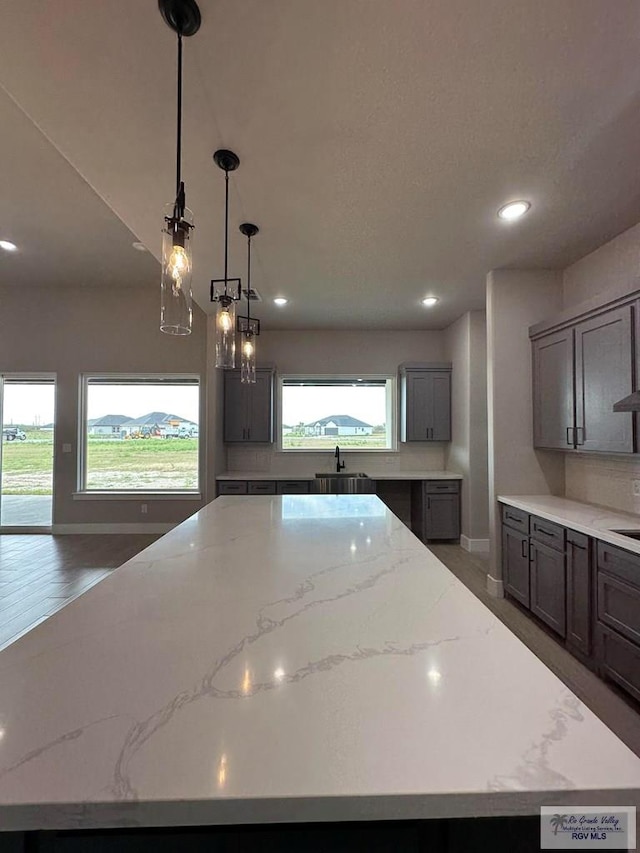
(628, 404)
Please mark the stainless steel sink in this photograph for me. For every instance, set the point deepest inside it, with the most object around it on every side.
(632, 534)
(349, 483)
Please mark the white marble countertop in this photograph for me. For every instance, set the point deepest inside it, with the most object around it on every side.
(375, 475)
(289, 658)
(592, 520)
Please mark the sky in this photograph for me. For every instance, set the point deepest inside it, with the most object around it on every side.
(34, 404)
(308, 403)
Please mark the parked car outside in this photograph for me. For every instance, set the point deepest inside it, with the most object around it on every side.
(13, 434)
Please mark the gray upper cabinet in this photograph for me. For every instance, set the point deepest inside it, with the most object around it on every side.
(248, 409)
(579, 372)
(553, 398)
(425, 402)
(604, 374)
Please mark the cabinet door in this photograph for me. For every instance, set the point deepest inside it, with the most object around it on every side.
(442, 519)
(259, 424)
(604, 375)
(579, 604)
(427, 402)
(553, 395)
(548, 585)
(235, 407)
(515, 564)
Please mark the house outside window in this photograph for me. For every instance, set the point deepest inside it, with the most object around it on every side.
(318, 412)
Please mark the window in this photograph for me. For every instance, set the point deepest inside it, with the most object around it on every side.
(140, 433)
(316, 413)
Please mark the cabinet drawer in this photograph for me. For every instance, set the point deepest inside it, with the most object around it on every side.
(261, 487)
(619, 606)
(232, 487)
(516, 518)
(619, 563)
(293, 487)
(619, 660)
(547, 532)
(436, 487)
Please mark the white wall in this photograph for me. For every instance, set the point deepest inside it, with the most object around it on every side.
(465, 347)
(516, 299)
(78, 330)
(613, 269)
(317, 352)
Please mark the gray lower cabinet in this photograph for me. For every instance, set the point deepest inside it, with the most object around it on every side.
(515, 564)
(232, 487)
(261, 487)
(579, 597)
(425, 403)
(293, 487)
(248, 408)
(435, 509)
(548, 585)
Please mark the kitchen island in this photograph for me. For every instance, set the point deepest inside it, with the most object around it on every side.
(283, 659)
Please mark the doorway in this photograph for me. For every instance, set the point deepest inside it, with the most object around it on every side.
(27, 406)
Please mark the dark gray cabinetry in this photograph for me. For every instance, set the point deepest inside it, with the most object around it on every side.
(425, 402)
(618, 612)
(553, 397)
(579, 598)
(263, 487)
(293, 487)
(515, 564)
(435, 509)
(232, 487)
(248, 408)
(579, 372)
(604, 375)
(548, 585)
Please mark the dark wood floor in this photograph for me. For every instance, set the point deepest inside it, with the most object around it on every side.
(619, 713)
(40, 574)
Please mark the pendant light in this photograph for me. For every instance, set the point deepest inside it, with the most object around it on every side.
(248, 327)
(226, 291)
(183, 17)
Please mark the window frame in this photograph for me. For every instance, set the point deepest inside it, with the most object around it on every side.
(391, 381)
(84, 493)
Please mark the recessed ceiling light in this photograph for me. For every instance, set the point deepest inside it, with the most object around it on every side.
(139, 247)
(280, 300)
(429, 301)
(8, 246)
(513, 210)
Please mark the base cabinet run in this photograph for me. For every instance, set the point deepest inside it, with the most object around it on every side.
(435, 509)
(587, 591)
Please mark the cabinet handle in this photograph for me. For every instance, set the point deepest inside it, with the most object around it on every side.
(575, 545)
(428, 503)
(524, 548)
(512, 517)
(532, 550)
(569, 441)
(578, 430)
(249, 433)
(542, 530)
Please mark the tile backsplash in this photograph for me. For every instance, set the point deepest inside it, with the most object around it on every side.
(605, 480)
(418, 457)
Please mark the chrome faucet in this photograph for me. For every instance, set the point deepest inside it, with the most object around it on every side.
(339, 464)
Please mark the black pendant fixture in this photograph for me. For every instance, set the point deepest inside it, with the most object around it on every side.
(183, 17)
(226, 291)
(248, 326)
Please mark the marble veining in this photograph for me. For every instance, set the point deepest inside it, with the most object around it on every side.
(288, 658)
(590, 519)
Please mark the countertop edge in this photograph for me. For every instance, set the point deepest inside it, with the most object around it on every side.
(374, 475)
(532, 504)
(314, 809)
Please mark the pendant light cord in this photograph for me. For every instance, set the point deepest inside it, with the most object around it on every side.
(179, 121)
(226, 229)
(249, 283)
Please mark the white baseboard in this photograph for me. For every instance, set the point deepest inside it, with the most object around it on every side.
(474, 546)
(495, 587)
(138, 527)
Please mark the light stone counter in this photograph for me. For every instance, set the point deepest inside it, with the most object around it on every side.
(289, 658)
(375, 475)
(592, 520)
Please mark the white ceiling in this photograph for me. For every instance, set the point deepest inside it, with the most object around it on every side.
(377, 140)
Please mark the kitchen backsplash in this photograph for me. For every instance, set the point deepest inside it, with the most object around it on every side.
(603, 480)
(408, 458)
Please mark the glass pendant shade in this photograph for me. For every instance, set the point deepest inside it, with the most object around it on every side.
(176, 312)
(226, 333)
(248, 358)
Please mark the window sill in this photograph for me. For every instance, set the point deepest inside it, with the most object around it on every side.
(137, 496)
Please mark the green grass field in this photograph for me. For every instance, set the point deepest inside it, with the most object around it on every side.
(362, 442)
(153, 463)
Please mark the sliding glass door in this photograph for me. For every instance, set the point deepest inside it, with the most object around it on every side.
(27, 404)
